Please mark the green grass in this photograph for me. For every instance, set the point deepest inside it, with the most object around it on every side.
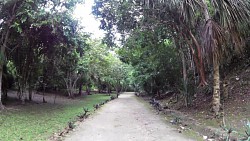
(192, 134)
(39, 121)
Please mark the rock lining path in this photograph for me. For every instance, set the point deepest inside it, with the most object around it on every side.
(125, 119)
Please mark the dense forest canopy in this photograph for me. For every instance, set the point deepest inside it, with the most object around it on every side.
(169, 38)
(43, 47)
(167, 45)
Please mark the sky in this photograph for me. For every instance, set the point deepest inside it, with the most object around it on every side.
(83, 13)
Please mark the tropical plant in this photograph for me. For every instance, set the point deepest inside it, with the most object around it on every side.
(212, 27)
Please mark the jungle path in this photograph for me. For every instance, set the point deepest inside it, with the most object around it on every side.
(125, 119)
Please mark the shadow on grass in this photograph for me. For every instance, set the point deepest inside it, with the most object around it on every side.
(38, 121)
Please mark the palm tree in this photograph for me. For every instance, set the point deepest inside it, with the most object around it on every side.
(231, 14)
(221, 20)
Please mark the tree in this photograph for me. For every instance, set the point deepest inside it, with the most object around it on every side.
(8, 10)
(209, 26)
(155, 61)
(103, 67)
(31, 30)
(95, 63)
(231, 16)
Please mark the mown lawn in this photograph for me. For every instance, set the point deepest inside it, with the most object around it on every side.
(37, 122)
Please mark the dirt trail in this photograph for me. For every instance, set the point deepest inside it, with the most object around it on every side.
(125, 119)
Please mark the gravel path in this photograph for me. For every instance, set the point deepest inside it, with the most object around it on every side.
(125, 119)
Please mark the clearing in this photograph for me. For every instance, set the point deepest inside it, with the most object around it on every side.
(38, 121)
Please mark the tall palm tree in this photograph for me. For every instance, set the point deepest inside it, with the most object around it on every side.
(221, 20)
(217, 32)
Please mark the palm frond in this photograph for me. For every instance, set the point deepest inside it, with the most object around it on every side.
(232, 12)
(214, 40)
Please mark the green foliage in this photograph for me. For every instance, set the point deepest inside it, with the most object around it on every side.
(43, 41)
(155, 61)
(103, 68)
(204, 31)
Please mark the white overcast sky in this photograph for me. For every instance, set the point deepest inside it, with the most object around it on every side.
(83, 13)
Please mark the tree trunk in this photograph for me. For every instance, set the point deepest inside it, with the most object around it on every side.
(216, 89)
(216, 69)
(5, 95)
(67, 83)
(1, 76)
(80, 89)
(23, 95)
(109, 89)
(30, 93)
(44, 101)
(117, 91)
(184, 71)
(87, 89)
(70, 88)
(122, 89)
(225, 88)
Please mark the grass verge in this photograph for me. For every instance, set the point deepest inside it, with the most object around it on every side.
(39, 121)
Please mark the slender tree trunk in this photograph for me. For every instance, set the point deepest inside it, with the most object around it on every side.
(30, 93)
(117, 88)
(55, 98)
(67, 83)
(70, 87)
(87, 89)
(122, 89)
(44, 101)
(117, 91)
(1, 76)
(184, 71)
(74, 85)
(216, 89)
(19, 92)
(226, 83)
(23, 94)
(108, 87)
(5, 95)
(99, 89)
(80, 89)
